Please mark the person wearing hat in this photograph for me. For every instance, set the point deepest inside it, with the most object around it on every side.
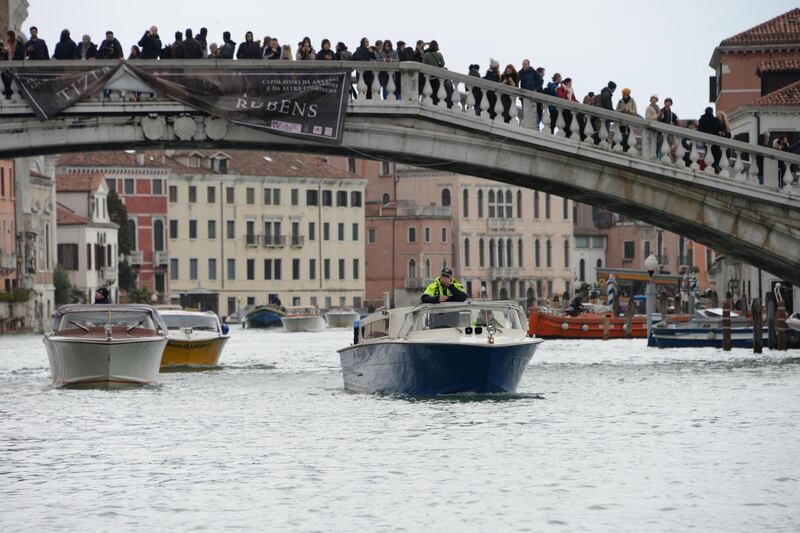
(626, 105)
(101, 296)
(445, 288)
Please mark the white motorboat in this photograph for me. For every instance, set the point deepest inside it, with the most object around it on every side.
(704, 330)
(341, 317)
(299, 318)
(195, 340)
(466, 347)
(105, 344)
(793, 322)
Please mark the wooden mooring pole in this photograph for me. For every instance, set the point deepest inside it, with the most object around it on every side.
(726, 323)
(606, 326)
(772, 334)
(629, 319)
(758, 330)
(780, 319)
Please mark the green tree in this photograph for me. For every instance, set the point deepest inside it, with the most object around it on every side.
(119, 215)
(140, 296)
(62, 285)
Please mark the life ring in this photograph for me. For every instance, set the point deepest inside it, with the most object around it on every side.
(585, 327)
(710, 335)
(564, 326)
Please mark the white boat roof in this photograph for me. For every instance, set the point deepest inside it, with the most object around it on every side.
(113, 308)
(183, 312)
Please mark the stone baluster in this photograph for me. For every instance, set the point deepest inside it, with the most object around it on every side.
(724, 164)
(427, 91)
(391, 88)
(16, 94)
(456, 98)
(632, 140)
(441, 94)
(666, 149)
(484, 106)
(751, 175)
(513, 112)
(376, 86)
(561, 124)
(493, 107)
(603, 134)
(546, 120)
(469, 106)
(708, 159)
(680, 151)
(588, 130)
(694, 155)
(361, 86)
(574, 128)
(738, 167)
(617, 137)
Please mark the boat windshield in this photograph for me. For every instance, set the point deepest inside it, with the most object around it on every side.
(89, 320)
(503, 318)
(198, 322)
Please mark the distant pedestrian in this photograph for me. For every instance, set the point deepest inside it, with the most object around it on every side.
(305, 51)
(665, 116)
(566, 92)
(110, 48)
(363, 53)
(286, 52)
(86, 49)
(65, 48)
(551, 89)
(135, 53)
(213, 51)
(711, 125)
(150, 44)
(14, 49)
(101, 296)
(509, 77)
(249, 49)
(626, 105)
(652, 111)
(202, 38)
(35, 48)
(191, 47)
(492, 74)
(342, 53)
(273, 50)
(228, 47)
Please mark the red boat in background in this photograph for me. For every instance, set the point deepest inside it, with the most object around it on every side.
(589, 325)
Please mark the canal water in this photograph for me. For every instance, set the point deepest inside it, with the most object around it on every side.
(603, 436)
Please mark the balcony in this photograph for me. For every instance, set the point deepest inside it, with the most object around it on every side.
(414, 283)
(424, 211)
(136, 258)
(160, 258)
(109, 273)
(251, 239)
(298, 241)
(273, 241)
(503, 223)
(504, 272)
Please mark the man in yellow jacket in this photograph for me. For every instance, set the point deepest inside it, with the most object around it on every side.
(444, 289)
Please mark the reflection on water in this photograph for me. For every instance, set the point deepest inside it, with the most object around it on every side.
(602, 436)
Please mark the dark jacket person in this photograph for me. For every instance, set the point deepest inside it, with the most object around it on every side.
(110, 48)
(444, 289)
(150, 43)
(36, 48)
(249, 49)
(101, 296)
(65, 49)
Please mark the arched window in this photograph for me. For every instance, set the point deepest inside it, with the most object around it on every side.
(480, 204)
(491, 204)
(444, 263)
(446, 197)
(501, 252)
(465, 204)
(509, 205)
(520, 255)
(158, 235)
(582, 270)
(466, 252)
(547, 206)
(386, 198)
(481, 259)
(566, 253)
(599, 263)
(549, 254)
(535, 204)
(519, 204)
(412, 269)
(537, 254)
(131, 234)
(509, 253)
(428, 269)
(566, 209)
(444, 234)
(491, 252)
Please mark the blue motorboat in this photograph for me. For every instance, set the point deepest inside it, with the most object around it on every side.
(265, 316)
(447, 348)
(704, 330)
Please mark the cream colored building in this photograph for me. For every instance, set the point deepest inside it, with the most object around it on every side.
(247, 225)
(508, 242)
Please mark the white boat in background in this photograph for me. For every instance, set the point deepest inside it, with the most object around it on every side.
(446, 348)
(793, 322)
(300, 318)
(105, 344)
(342, 317)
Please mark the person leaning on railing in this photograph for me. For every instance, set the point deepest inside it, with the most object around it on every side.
(445, 288)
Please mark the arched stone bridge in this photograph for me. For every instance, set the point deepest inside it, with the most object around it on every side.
(729, 211)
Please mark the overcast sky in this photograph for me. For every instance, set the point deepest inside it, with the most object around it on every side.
(651, 47)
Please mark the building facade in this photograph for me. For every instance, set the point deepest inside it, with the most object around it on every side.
(590, 242)
(87, 239)
(8, 231)
(139, 179)
(246, 225)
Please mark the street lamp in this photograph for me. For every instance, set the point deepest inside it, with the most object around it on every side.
(651, 265)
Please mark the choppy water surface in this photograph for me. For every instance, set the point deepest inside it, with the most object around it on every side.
(603, 436)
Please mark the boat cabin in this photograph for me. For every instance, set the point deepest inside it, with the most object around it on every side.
(301, 311)
(81, 320)
(503, 316)
(181, 320)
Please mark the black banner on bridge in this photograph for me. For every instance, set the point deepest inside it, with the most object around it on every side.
(305, 104)
(49, 91)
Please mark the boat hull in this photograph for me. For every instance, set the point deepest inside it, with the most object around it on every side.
(306, 323)
(264, 318)
(82, 362)
(193, 353)
(423, 369)
(702, 337)
(341, 320)
(587, 326)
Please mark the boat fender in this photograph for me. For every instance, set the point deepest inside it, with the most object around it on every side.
(564, 326)
(585, 327)
(710, 334)
(356, 327)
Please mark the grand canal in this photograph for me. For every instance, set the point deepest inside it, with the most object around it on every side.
(603, 436)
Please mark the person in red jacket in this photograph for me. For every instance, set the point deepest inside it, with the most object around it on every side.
(566, 92)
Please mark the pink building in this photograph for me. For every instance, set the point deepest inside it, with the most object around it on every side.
(8, 233)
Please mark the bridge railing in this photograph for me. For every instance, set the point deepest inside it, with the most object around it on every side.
(414, 84)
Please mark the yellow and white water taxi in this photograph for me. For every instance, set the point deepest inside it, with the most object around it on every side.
(195, 340)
